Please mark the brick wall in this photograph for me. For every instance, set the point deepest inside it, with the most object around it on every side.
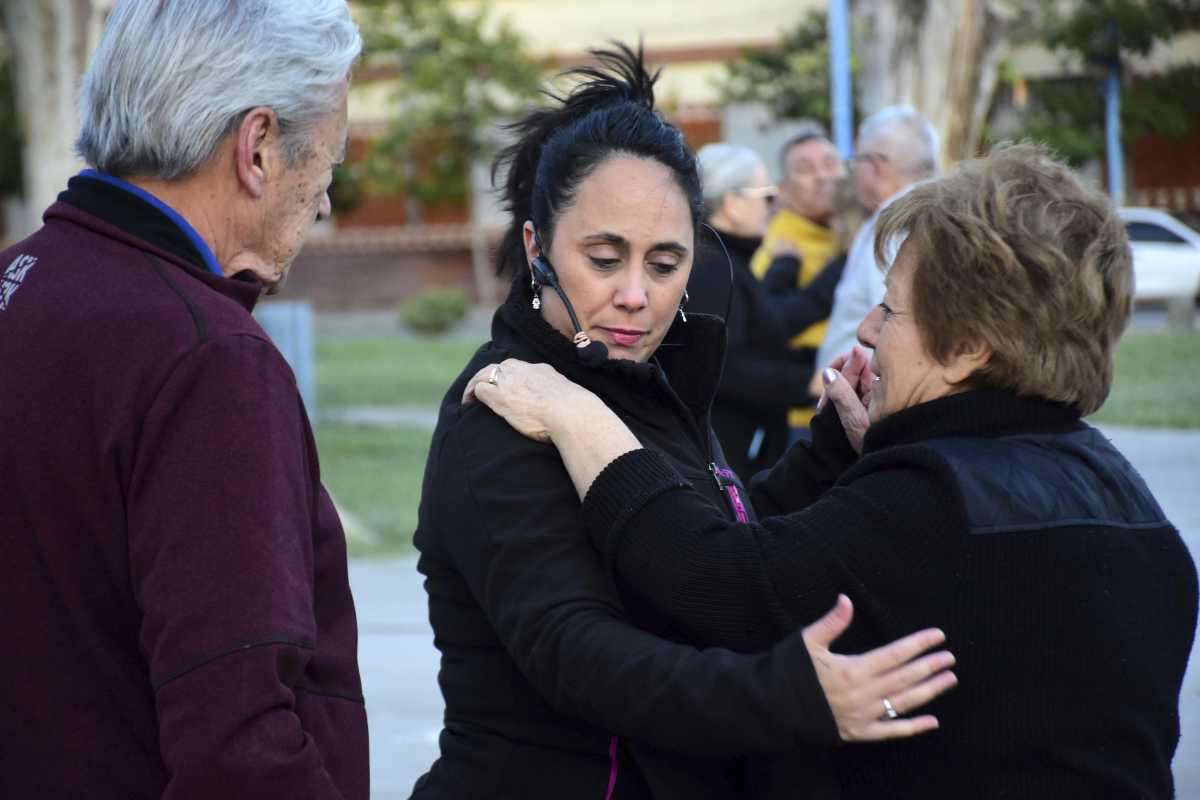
(376, 269)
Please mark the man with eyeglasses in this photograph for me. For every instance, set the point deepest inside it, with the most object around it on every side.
(897, 148)
(809, 172)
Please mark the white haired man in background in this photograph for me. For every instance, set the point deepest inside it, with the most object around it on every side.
(178, 619)
(897, 148)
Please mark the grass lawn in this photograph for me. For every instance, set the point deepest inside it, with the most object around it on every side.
(387, 371)
(375, 473)
(1157, 383)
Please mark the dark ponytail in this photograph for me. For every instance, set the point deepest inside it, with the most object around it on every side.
(610, 111)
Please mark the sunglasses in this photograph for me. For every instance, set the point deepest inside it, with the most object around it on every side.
(767, 193)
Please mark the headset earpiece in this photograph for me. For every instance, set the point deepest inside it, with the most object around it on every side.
(590, 353)
(542, 272)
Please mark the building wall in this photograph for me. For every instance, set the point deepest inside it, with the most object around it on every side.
(378, 269)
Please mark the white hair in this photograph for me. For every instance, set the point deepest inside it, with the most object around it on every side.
(171, 78)
(725, 168)
(906, 137)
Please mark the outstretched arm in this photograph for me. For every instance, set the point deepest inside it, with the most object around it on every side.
(546, 407)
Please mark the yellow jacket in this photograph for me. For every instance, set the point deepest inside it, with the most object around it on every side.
(817, 245)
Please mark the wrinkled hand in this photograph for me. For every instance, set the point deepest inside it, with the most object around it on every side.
(526, 395)
(848, 381)
(855, 686)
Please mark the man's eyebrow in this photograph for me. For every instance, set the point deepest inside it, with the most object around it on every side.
(345, 149)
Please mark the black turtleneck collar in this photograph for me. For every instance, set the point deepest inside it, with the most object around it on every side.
(691, 355)
(741, 248)
(131, 214)
(976, 413)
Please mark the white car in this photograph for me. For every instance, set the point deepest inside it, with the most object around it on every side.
(1166, 254)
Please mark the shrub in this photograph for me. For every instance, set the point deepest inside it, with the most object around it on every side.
(434, 311)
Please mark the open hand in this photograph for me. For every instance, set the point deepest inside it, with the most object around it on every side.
(856, 686)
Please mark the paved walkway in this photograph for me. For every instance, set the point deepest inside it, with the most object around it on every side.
(399, 663)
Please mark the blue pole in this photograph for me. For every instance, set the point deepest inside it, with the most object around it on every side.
(1112, 130)
(840, 100)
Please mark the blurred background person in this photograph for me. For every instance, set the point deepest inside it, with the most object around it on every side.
(783, 274)
(809, 171)
(897, 147)
(760, 380)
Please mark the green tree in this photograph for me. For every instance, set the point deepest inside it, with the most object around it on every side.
(791, 79)
(459, 72)
(1069, 114)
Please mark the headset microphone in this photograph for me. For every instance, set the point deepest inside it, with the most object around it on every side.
(590, 353)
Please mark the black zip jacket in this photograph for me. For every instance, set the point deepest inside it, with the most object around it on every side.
(550, 691)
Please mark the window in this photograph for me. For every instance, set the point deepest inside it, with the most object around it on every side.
(1149, 232)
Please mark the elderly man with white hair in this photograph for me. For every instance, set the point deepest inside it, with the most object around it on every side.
(178, 619)
(897, 148)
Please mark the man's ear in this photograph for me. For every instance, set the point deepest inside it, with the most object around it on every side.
(255, 150)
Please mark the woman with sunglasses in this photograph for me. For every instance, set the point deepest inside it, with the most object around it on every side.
(762, 379)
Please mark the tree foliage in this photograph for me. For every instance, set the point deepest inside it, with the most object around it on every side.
(1069, 114)
(1102, 30)
(458, 73)
(791, 79)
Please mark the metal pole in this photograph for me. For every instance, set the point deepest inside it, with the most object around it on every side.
(1112, 132)
(1112, 127)
(840, 99)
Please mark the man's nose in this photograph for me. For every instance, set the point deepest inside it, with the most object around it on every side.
(325, 210)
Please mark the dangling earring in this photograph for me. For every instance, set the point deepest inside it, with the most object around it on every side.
(683, 303)
(537, 294)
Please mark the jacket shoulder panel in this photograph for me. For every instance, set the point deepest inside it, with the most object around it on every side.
(1033, 481)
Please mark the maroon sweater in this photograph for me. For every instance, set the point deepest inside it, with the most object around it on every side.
(177, 616)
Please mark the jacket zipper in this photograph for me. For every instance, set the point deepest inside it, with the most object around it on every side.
(720, 475)
(730, 490)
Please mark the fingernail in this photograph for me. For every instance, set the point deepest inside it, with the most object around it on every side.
(829, 375)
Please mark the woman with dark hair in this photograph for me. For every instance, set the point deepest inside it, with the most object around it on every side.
(550, 691)
(950, 479)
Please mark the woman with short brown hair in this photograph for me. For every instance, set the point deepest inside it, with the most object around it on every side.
(1028, 262)
(950, 480)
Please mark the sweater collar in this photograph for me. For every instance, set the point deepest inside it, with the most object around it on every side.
(195, 242)
(690, 357)
(137, 220)
(976, 413)
(741, 248)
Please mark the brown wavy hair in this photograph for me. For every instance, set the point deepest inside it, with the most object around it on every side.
(1015, 252)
